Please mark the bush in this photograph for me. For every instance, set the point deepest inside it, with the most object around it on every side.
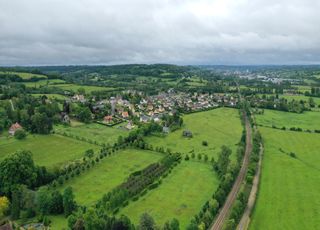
(20, 134)
(204, 143)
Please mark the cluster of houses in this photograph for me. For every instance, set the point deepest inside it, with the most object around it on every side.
(154, 107)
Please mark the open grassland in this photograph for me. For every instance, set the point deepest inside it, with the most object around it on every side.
(40, 83)
(181, 195)
(307, 120)
(300, 97)
(96, 132)
(302, 88)
(47, 150)
(289, 195)
(25, 76)
(87, 88)
(218, 127)
(50, 96)
(110, 172)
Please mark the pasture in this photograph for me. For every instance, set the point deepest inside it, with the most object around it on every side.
(300, 98)
(93, 131)
(110, 172)
(50, 96)
(218, 127)
(180, 195)
(88, 89)
(41, 83)
(289, 193)
(307, 120)
(24, 75)
(47, 150)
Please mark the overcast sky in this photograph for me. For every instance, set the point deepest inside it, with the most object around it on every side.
(62, 32)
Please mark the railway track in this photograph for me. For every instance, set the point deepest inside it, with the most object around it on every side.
(225, 211)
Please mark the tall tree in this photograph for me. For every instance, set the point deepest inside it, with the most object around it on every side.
(17, 168)
(68, 201)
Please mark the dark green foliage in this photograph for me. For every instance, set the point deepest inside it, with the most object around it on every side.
(221, 166)
(20, 134)
(16, 169)
(146, 222)
(68, 201)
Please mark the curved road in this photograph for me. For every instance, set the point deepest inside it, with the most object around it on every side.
(224, 212)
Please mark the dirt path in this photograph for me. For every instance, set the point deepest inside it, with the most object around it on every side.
(224, 212)
(245, 220)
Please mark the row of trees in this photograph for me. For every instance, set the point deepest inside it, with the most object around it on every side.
(137, 183)
(227, 172)
(242, 198)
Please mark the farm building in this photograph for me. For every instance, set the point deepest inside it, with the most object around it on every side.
(14, 128)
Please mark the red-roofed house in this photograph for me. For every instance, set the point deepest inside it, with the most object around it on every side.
(125, 114)
(14, 128)
(107, 119)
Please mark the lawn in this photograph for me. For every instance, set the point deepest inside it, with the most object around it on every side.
(218, 127)
(95, 132)
(47, 150)
(87, 88)
(58, 222)
(25, 76)
(112, 171)
(307, 120)
(181, 195)
(289, 195)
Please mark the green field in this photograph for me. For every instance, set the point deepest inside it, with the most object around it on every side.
(307, 120)
(25, 76)
(47, 150)
(289, 194)
(112, 171)
(96, 132)
(181, 195)
(50, 96)
(302, 88)
(300, 97)
(48, 82)
(218, 127)
(87, 88)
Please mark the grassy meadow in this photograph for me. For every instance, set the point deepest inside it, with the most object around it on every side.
(110, 172)
(25, 76)
(95, 132)
(218, 127)
(50, 96)
(289, 193)
(180, 195)
(47, 150)
(40, 83)
(307, 120)
(87, 88)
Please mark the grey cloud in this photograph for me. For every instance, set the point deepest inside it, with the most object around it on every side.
(50, 32)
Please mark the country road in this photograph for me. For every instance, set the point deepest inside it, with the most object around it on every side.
(224, 212)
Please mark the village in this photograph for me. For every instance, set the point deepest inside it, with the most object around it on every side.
(153, 108)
